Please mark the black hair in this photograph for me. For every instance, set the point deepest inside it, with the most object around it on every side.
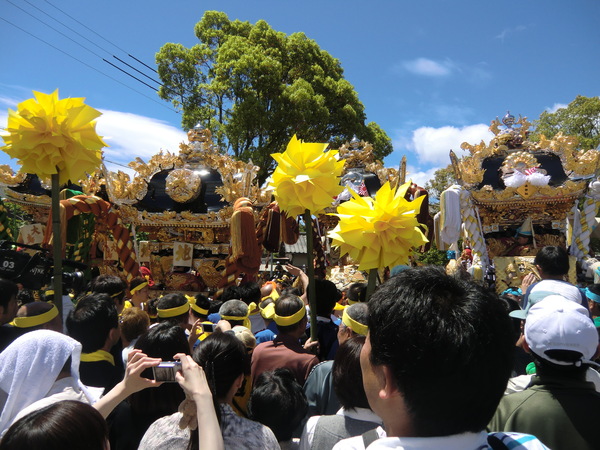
(169, 301)
(164, 340)
(25, 296)
(215, 305)
(231, 293)
(8, 290)
(327, 296)
(250, 292)
(278, 401)
(553, 260)
(548, 369)
(510, 304)
(67, 424)
(357, 292)
(347, 376)
(447, 342)
(91, 321)
(136, 282)
(34, 309)
(111, 285)
(285, 306)
(223, 358)
(202, 302)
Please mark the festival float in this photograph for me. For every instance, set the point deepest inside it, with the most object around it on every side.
(515, 196)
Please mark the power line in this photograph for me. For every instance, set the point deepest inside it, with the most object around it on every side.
(138, 71)
(85, 26)
(87, 65)
(132, 76)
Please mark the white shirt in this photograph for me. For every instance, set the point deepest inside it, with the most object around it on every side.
(364, 414)
(463, 441)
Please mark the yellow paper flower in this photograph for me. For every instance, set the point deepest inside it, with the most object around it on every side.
(306, 177)
(379, 232)
(47, 134)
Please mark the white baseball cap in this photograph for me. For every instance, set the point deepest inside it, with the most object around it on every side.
(556, 323)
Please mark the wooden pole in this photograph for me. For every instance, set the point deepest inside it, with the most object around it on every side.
(310, 272)
(371, 283)
(57, 243)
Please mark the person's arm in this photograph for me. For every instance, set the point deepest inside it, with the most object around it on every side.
(132, 382)
(193, 381)
(298, 272)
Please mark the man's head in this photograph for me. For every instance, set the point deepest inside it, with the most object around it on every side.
(327, 296)
(235, 312)
(354, 322)
(174, 308)
(290, 315)
(38, 316)
(111, 285)
(560, 333)
(8, 300)
(440, 349)
(552, 262)
(357, 292)
(94, 322)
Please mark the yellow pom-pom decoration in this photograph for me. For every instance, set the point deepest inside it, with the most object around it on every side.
(379, 232)
(306, 177)
(48, 135)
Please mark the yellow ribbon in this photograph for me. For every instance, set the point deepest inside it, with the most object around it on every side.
(116, 294)
(268, 312)
(195, 307)
(127, 304)
(34, 321)
(355, 326)
(98, 355)
(139, 287)
(49, 292)
(339, 307)
(173, 312)
(285, 321)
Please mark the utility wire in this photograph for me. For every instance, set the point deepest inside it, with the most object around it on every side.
(138, 71)
(87, 65)
(132, 76)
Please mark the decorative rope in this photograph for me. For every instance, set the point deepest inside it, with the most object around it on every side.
(107, 216)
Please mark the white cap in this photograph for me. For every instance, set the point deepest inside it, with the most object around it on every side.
(556, 323)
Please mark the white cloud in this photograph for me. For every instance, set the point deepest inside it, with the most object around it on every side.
(556, 107)
(130, 135)
(420, 177)
(428, 67)
(508, 31)
(433, 145)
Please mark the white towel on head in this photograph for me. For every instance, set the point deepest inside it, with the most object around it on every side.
(29, 367)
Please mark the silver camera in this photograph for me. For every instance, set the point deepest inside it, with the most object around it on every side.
(166, 371)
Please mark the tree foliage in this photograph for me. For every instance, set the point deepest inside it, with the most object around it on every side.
(255, 87)
(581, 118)
(442, 179)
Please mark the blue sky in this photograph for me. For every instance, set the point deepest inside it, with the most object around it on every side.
(432, 73)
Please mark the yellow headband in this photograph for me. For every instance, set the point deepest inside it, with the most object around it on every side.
(268, 311)
(339, 307)
(139, 287)
(173, 312)
(49, 292)
(116, 294)
(285, 321)
(195, 307)
(355, 326)
(34, 321)
(352, 302)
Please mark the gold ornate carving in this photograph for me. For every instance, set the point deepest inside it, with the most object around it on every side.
(183, 185)
(520, 161)
(9, 178)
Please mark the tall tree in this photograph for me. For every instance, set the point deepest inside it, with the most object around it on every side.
(255, 87)
(581, 118)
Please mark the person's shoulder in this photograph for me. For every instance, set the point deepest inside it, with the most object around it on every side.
(165, 433)
(353, 443)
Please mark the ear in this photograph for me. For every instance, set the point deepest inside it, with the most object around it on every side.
(239, 381)
(114, 335)
(388, 386)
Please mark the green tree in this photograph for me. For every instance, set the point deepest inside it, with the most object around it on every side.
(581, 118)
(255, 87)
(442, 179)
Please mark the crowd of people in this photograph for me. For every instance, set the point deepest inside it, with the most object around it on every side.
(429, 361)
